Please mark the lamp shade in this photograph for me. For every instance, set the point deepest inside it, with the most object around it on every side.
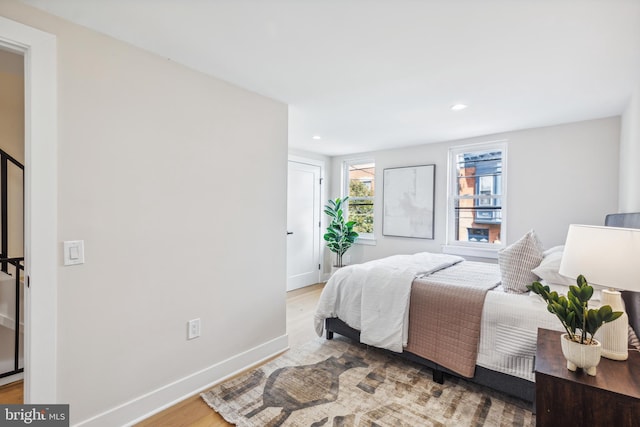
(605, 256)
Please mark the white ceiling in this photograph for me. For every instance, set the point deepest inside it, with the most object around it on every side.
(373, 74)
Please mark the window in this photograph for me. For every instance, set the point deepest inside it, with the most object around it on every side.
(477, 197)
(360, 187)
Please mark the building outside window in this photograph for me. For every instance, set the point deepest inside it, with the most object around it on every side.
(360, 187)
(477, 196)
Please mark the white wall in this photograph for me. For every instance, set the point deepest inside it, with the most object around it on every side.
(163, 179)
(630, 156)
(310, 155)
(556, 176)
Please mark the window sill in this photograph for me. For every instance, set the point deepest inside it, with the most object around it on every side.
(471, 251)
(367, 241)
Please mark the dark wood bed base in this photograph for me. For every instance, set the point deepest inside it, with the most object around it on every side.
(508, 384)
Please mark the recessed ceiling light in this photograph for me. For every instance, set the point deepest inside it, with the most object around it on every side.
(458, 107)
(316, 137)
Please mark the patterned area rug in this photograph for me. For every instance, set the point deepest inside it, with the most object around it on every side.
(340, 383)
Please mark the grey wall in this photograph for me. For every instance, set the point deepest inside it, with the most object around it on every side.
(556, 176)
(630, 156)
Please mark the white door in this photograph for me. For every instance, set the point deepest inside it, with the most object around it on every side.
(303, 225)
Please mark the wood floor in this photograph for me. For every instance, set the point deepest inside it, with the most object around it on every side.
(301, 305)
(12, 394)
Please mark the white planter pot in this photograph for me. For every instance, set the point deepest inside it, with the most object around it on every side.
(334, 268)
(585, 356)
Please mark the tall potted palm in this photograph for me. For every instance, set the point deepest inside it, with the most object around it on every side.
(340, 235)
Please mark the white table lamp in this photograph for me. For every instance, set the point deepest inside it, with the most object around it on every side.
(608, 257)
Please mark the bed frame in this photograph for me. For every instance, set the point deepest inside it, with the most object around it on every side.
(514, 386)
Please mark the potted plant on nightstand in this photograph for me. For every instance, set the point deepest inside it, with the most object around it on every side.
(340, 235)
(581, 323)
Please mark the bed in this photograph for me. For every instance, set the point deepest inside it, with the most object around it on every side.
(504, 326)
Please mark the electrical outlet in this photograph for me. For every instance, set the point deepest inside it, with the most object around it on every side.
(193, 329)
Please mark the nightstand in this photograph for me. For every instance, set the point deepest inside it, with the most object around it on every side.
(563, 397)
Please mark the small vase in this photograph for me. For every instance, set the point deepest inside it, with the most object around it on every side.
(585, 356)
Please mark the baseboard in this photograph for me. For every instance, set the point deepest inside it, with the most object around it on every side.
(8, 322)
(11, 379)
(144, 406)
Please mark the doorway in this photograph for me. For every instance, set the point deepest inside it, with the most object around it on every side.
(12, 132)
(303, 223)
(39, 50)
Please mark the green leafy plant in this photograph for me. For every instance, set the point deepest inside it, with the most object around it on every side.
(340, 235)
(580, 322)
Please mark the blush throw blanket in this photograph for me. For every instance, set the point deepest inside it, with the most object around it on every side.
(445, 315)
(373, 297)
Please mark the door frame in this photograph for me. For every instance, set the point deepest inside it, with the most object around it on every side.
(323, 186)
(40, 206)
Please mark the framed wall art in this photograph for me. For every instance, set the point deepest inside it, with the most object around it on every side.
(408, 201)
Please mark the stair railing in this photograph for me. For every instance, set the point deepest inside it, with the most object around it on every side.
(5, 261)
(17, 263)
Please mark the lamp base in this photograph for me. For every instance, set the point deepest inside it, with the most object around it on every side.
(614, 336)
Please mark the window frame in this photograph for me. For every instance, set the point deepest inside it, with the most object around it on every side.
(467, 248)
(363, 238)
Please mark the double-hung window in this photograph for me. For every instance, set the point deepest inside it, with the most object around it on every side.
(359, 185)
(477, 199)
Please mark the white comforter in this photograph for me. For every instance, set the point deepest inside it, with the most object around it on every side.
(509, 332)
(379, 309)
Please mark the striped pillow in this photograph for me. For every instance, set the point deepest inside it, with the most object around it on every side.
(634, 342)
(517, 261)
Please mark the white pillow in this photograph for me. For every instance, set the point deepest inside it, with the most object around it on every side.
(548, 270)
(553, 249)
(517, 260)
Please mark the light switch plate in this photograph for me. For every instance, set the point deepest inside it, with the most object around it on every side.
(73, 252)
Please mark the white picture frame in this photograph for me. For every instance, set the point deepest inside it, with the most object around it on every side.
(408, 201)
